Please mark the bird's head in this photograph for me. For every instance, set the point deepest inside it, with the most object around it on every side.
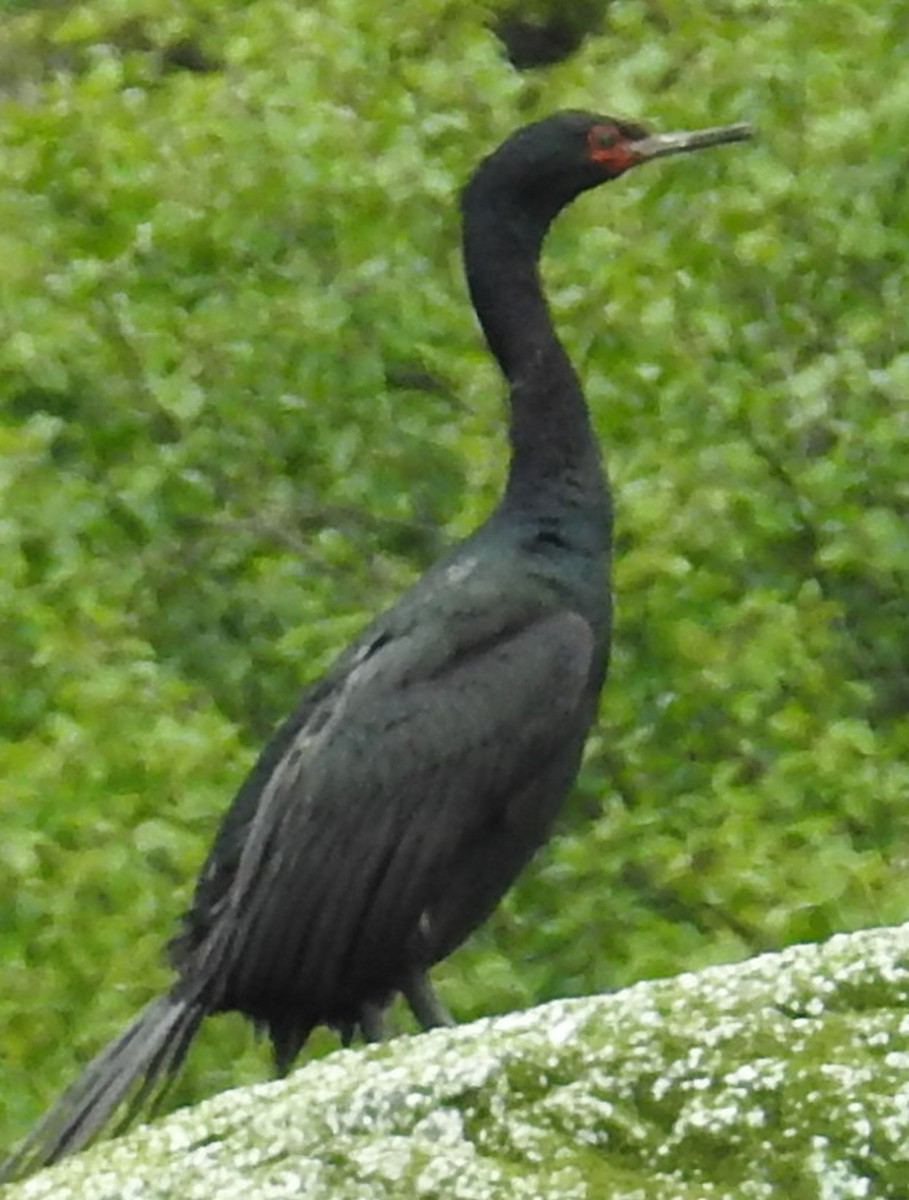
(543, 166)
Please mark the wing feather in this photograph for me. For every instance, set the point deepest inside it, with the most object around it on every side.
(377, 793)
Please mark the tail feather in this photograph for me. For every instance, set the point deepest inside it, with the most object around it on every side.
(162, 1071)
(149, 1053)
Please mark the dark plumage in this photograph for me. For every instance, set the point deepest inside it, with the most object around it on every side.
(399, 801)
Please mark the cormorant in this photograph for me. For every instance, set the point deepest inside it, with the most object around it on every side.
(398, 802)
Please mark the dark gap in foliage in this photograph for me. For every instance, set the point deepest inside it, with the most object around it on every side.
(536, 35)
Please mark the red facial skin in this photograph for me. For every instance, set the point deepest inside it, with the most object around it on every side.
(607, 144)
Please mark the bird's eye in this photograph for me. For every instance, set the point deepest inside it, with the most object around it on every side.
(602, 137)
(608, 146)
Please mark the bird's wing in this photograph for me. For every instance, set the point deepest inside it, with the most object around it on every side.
(377, 792)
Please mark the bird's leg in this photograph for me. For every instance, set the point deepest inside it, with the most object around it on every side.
(371, 1022)
(424, 1003)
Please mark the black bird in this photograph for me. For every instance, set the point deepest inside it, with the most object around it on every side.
(396, 805)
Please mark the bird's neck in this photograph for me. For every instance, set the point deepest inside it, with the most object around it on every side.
(553, 446)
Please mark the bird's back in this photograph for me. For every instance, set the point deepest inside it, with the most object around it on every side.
(411, 784)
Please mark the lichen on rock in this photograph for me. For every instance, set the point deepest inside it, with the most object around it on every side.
(785, 1077)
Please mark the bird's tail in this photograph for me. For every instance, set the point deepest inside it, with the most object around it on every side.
(138, 1065)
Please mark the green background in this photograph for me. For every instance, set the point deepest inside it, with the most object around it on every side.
(244, 401)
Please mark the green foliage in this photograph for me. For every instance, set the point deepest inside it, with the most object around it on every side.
(243, 402)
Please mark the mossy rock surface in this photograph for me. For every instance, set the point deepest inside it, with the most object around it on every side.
(785, 1076)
